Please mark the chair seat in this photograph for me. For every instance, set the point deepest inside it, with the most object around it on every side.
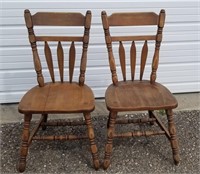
(58, 98)
(138, 95)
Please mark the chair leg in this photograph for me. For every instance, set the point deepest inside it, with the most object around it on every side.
(150, 116)
(173, 138)
(24, 145)
(109, 145)
(44, 121)
(108, 120)
(91, 136)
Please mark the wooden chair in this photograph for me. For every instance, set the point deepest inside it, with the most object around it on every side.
(57, 96)
(137, 95)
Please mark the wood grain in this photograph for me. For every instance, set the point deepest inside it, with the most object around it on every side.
(157, 46)
(85, 47)
(35, 130)
(109, 47)
(136, 95)
(58, 19)
(52, 99)
(24, 145)
(110, 136)
(173, 138)
(131, 38)
(57, 97)
(143, 59)
(138, 134)
(91, 136)
(159, 122)
(59, 38)
(60, 56)
(49, 60)
(133, 60)
(72, 54)
(129, 19)
(133, 120)
(32, 40)
(122, 59)
(60, 137)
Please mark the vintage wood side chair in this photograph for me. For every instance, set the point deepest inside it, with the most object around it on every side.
(137, 95)
(57, 96)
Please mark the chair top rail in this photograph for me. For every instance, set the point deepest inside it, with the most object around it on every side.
(58, 19)
(131, 19)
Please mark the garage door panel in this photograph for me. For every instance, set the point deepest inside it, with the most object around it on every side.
(179, 57)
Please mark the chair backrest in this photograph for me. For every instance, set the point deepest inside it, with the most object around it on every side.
(133, 19)
(58, 19)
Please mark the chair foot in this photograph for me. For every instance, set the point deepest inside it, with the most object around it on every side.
(44, 121)
(177, 160)
(173, 138)
(24, 146)
(96, 164)
(91, 136)
(108, 151)
(106, 164)
(109, 145)
(21, 167)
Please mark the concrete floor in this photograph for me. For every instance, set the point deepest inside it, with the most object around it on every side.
(9, 112)
(131, 155)
(137, 155)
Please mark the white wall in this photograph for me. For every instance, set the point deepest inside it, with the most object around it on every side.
(179, 66)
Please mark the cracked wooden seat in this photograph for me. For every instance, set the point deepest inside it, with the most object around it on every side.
(57, 96)
(136, 95)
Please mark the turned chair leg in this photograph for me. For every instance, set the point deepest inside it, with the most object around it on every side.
(151, 116)
(24, 145)
(109, 144)
(108, 120)
(91, 136)
(173, 138)
(44, 121)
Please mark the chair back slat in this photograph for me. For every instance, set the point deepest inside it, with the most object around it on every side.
(60, 56)
(72, 54)
(133, 59)
(143, 59)
(49, 60)
(122, 59)
(58, 19)
(129, 19)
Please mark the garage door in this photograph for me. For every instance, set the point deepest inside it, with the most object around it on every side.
(179, 66)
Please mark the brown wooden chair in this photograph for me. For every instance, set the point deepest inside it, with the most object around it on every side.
(57, 96)
(137, 95)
